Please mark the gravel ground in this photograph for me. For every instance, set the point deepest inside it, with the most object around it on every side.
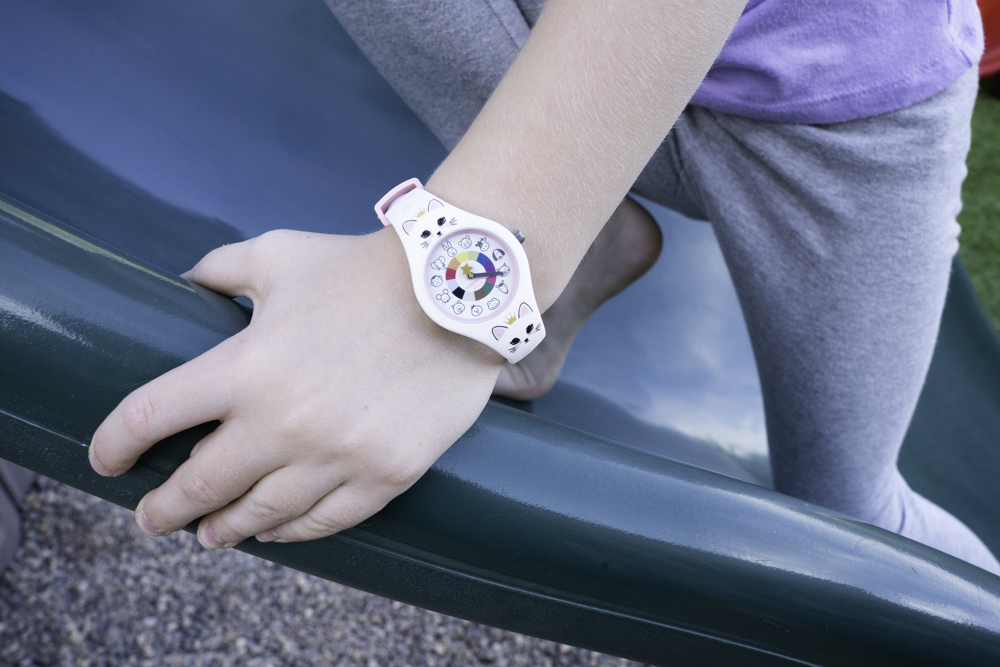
(88, 588)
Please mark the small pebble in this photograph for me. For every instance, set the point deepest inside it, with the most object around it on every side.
(87, 587)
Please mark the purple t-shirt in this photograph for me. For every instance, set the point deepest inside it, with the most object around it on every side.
(827, 61)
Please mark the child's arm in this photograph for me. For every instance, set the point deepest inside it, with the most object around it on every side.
(342, 392)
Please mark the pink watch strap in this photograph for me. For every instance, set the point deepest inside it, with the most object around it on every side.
(385, 202)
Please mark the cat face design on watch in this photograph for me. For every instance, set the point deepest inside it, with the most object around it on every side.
(475, 271)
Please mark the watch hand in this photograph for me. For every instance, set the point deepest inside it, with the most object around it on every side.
(485, 275)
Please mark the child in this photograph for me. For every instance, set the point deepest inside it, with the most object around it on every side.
(827, 152)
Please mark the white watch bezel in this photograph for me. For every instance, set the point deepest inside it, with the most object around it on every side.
(399, 208)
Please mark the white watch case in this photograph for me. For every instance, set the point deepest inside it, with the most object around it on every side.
(470, 274)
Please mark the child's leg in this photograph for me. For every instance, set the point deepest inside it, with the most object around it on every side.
(444, 58)
(840, 239)
(624, 250)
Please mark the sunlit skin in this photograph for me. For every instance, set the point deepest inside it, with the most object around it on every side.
(331, 404)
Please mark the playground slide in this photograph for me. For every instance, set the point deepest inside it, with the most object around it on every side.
(640, 535)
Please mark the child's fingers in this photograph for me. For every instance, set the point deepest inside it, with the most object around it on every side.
(192, 394)
(281, 496)
(222, 470)
(342, 508)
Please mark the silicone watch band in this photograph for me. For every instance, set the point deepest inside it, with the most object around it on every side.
(516, 330)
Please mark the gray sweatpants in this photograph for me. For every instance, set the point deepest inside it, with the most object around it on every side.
(839, 239)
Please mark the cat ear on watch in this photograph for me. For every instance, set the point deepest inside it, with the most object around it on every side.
(433, 204)
(498, 332)
(523, 310)
(408, 226)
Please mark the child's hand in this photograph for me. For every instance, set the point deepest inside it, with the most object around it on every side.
(339, 395)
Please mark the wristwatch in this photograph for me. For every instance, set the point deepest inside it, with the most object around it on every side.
(470, 274)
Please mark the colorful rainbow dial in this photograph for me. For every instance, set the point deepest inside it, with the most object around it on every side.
(469, 263)
(471, 276)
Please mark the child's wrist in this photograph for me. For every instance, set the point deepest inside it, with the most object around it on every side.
(551, 270)
(394, 278)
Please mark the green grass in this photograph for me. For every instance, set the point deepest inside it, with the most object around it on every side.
(980, 217)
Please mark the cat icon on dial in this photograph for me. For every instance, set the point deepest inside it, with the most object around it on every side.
(471, 277)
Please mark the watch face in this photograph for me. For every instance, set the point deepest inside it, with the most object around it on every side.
(471, 276)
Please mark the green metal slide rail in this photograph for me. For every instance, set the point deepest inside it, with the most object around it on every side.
(523, 524)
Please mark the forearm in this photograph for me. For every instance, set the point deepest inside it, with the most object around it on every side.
(568, 130)
(332, 404)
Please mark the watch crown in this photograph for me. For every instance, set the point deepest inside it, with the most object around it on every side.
(519, 236)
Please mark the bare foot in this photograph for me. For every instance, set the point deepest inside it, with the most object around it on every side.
(624, 250)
